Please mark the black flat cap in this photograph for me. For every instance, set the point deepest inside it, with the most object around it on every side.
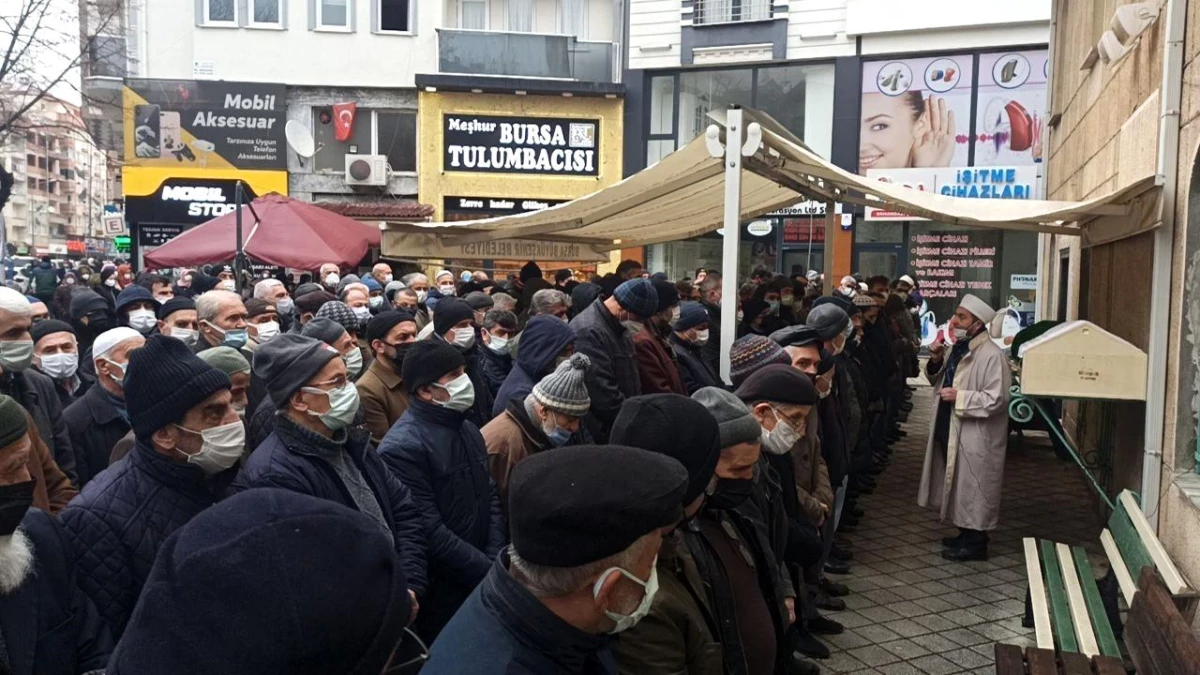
(778, 383)
(796, 336)
(46, 327)
(581, 504)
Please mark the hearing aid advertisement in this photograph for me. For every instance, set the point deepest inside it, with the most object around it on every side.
(916, 113)
(204, 125)
(1011, 108)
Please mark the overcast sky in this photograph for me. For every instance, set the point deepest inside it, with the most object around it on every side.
(60, 30)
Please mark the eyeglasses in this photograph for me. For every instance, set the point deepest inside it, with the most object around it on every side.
(335, 383)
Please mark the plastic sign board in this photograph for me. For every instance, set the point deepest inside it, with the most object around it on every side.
(994, 182)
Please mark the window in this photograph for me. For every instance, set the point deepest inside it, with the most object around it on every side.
(333, 14)
(703, 91)
(573, 18)
(473, 14)
(392, 133)
(106, 56)
(30, 160)
(731, 11)
(220, 11)
(265, 13)
(520, 16)
(31, 183)
(394, 16)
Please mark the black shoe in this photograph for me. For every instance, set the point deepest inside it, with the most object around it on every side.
(823, 626)
(966, 553)
(907, 406)
(809, 645)
(836, 566)
(833, 588)
(848, 519)
(955, 541)
(794, 664)
(842, 553)
(830, 604)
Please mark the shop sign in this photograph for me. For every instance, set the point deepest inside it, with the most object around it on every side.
(529, 145)
(114, 223)
(1023, 282)
(207, 124)
(496, 206)
(806, 208)
(97, 245)
(76, 245)
(803, 231)
(759, 228)
(428, 245)
(58, 249)
(948, 264)
(158, 234)
(187, 201)
(996, 182)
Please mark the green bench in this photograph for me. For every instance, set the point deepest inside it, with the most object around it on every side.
(1065, 603)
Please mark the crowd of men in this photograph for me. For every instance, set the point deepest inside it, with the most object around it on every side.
(371, 474)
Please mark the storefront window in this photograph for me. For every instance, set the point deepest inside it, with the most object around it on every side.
(662, 100)
(878, 232)
(800, 98)
(703, 91)
(656, 150)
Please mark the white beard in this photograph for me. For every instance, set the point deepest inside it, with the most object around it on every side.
(16, 561)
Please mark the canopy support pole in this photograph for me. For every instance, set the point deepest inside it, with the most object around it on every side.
(237, 258)
(733, 232)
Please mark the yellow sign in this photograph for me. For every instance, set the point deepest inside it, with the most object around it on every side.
(138, 181)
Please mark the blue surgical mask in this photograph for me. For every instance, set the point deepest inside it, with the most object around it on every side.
(234, 337)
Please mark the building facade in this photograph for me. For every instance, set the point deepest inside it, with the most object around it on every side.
(60, 184)
(861, 82)
(1117, 117)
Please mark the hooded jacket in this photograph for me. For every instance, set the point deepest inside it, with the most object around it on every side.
(440, 455)
(502, 629)
(123, 516)
(50, 627)
(542, 341)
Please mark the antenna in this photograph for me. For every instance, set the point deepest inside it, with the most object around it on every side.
(300, 140)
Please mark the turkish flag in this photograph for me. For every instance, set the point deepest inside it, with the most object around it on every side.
(343, 120)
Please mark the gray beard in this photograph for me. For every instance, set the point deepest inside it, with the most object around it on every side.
(16, 561)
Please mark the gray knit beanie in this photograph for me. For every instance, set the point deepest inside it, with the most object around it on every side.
(564, 390)
(735, 420)
(324, 329)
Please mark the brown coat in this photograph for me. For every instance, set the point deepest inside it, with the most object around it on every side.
(51, 487)
(383, 398)
(812, 476)
(510, 437)
(656, 364)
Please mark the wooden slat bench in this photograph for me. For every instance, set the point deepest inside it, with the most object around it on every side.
(1064, 599)
(1013, 660)
(1159, 640)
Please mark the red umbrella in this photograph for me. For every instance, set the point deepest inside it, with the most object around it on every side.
(290, 233)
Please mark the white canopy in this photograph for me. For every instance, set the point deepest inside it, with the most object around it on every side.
(682, 196)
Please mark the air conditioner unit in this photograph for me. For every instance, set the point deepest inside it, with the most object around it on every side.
(366, 170)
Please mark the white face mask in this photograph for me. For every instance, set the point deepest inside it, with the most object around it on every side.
(110, 282)
(375, 301)
(59, 366)
(16, 356)
(421, 295)
(464, 338)
(462, 393)
(285, 305)
(142, 320)
(625, 622)
(354, 362)
(387, 279)
(163, 298)
(266, 331)
(498, 345)
(332, 279)
(343, 405)
(675, 312)
(227, 285)
(220, 447)
(446, 290)
(363, 313)
(701, 338)
(779, 440)
(185, 335)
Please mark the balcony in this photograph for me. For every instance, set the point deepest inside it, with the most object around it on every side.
(494, 53)
(710, 12)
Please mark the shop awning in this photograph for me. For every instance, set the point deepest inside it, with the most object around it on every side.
(682, 196)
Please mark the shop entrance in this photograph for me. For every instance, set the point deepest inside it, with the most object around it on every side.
(874, 259)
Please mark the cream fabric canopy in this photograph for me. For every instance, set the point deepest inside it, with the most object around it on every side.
(682, 196)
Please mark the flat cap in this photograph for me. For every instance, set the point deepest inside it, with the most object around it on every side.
(478, 300)
(581, 504)
(829, 320)
(736, 422)
(258, 307)
(174, 305)
(46, 327)
(796, 336)
(324, 329)
(778, 383)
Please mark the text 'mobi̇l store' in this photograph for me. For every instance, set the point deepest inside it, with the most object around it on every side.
(187, 144)
(965, 125)
(489, 154)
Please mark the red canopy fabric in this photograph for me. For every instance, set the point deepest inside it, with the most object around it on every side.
(291, 233)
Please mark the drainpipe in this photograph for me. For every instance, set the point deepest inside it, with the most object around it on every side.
(1160, 280)
(1046, 241)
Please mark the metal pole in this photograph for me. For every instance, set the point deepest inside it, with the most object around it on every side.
(831, 225)
(733, 235)
(237, 258)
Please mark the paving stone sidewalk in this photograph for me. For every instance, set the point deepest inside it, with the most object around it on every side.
(913, 612)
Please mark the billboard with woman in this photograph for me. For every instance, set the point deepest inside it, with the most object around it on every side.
(916, 113)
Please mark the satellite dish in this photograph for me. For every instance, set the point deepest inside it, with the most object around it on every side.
(300, 139)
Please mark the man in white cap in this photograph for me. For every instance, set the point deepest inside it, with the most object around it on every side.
(964, 461)
(99, 418)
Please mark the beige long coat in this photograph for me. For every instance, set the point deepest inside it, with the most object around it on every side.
(964, 480)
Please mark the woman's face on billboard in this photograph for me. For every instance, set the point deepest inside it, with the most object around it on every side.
(887, 135)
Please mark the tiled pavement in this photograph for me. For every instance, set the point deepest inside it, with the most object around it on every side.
(913, 612)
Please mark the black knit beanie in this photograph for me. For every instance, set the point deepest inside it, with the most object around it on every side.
(427, 361)
(164, 381)
(675, 426)
(48, 327)
(450, 311)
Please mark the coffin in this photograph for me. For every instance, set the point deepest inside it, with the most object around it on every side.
(1078, 359)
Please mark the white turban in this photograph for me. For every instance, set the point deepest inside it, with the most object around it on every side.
(978, 308)
(111, 338)
(908, 280)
